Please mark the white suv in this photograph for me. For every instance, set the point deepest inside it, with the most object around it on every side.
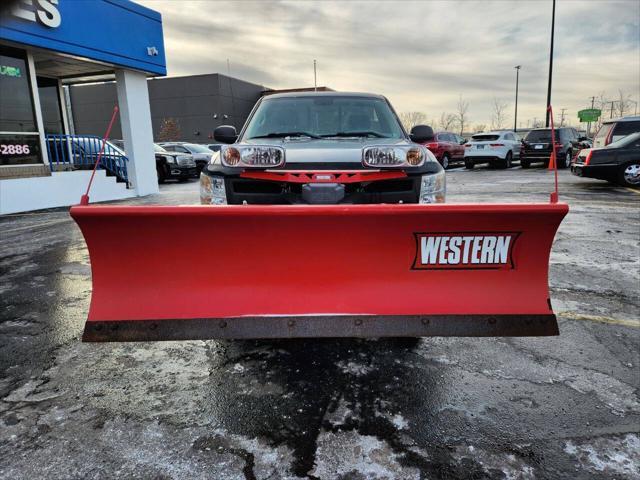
(495, 148)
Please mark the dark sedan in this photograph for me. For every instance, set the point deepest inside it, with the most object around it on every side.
(618, 162)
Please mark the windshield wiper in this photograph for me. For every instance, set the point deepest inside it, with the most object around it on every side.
(286, 134)
(366, 133)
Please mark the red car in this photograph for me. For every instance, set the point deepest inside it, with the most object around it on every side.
(447, 147)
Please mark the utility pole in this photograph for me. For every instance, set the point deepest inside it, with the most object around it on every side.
(515, 117)
(593, 99)
(553, 24)
(315, 77)
(228, 68)
(611, 112)
(562, 117)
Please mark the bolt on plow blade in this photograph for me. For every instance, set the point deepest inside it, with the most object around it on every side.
(199, 272)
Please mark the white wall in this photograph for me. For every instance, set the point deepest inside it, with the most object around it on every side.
(61, 189)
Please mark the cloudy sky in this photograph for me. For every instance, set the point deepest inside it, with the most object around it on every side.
(421, 54)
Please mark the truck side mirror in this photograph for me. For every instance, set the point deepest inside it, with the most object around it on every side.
(225, 134)
(421, 133)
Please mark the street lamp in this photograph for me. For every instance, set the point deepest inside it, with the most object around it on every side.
(553, 24)
(515, 117)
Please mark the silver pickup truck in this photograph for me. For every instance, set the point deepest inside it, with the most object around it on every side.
(322, 148)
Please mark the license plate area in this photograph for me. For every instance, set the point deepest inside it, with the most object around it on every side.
(323, 193)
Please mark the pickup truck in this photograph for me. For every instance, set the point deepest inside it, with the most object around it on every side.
(322, 148)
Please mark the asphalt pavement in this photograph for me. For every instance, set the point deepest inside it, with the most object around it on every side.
(432, 408)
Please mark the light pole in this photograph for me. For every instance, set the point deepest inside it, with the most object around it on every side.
(515, 117)
(315, 77)
(553, 24)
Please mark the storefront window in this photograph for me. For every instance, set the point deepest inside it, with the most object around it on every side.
(19, 139)
(16, 102)
(50, 105)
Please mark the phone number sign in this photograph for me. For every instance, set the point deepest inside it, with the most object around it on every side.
(16, 149)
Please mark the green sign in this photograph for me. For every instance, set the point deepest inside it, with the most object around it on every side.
(10, 71)
(589, 115)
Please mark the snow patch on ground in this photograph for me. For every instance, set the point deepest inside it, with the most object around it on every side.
(619, 456)
(351, 455)
(511, 467)
(353, 368)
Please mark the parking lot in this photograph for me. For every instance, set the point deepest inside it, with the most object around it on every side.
(516, 408)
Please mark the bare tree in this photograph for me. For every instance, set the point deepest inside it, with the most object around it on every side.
(411, 119)
(624, 103)
(480, 127)
(461, 114)
(169, 130)
(600, 102)
(447, 121)
(499, 115)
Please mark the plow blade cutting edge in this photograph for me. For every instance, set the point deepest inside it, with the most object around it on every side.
(199, 272)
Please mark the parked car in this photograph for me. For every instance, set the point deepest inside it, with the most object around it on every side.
(201, 154)
(447, 147)
(613, 130)
(537, 146)
(494, 148)
(359, 153)
(618, 162)
(214, 147)
(173, 165)
(586, 142)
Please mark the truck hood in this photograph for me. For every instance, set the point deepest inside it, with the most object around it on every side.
(309, 150)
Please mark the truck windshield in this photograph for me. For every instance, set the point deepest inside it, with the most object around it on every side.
(324, 117)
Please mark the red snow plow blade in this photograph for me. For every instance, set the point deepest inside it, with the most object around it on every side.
(200, 272)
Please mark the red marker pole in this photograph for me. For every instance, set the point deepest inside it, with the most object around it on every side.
(552, 161)
(84, 199)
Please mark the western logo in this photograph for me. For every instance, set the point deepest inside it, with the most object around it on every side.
(465, 250)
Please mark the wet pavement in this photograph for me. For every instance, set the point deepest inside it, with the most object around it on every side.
(432, 408)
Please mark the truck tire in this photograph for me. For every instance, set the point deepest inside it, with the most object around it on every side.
(566, 160)
(468, 164)
(445, 161)
(525, 163)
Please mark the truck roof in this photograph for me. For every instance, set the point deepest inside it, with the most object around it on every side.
(323, 94)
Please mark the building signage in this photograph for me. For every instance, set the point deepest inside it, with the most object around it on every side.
(9, 71)
(117, 32)
(44, 12)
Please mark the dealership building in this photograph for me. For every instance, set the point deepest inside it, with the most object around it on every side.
(196, 103)
(47, 44)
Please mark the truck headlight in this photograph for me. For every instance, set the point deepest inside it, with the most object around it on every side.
(433, 188)
(212, 190)
(393, 156)
(252, 156)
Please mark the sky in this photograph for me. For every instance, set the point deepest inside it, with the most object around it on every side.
(422, 55)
